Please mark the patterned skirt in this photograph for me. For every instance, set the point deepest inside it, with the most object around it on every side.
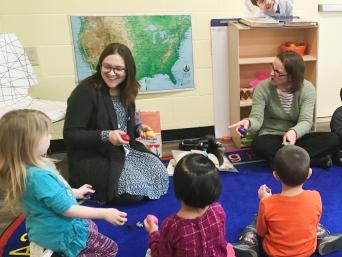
(143, 174)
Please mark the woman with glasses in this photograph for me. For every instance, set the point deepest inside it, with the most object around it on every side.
(282, 113)
(101, 109)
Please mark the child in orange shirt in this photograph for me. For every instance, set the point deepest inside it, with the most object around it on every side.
(288, 223)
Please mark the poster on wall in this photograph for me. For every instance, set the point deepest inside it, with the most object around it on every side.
(161, 47)
(17, 76)
(279, 9)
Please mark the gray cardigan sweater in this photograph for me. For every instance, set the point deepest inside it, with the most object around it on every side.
(268, 116)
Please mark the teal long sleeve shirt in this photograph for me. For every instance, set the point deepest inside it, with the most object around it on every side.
(268, 116)
(44, 201)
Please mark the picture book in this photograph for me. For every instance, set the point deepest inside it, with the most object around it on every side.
(153, 142)
(178, 154)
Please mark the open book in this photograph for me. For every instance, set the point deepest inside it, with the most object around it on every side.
(178, 154)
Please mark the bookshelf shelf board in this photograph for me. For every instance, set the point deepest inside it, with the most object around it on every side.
(246, 103)
(261, 60)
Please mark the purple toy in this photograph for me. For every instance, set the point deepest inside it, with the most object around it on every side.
(242, 131)
(88, 195)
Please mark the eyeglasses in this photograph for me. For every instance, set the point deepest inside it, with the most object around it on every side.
(276, 72)
(116, 69)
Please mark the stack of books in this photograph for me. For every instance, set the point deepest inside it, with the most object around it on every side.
(261, 22)
(300, 22)
(271, 22)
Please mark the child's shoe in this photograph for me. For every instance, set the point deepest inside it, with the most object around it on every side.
(337, 158)
(244, 249)
(329, 244)
(324, 162)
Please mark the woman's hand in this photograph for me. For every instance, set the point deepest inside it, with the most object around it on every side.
(114, 216)
(290, 136)
(242, 123)
(81, 193)
(142, 129)
(115, 137)
(264, 191)
(150, 226)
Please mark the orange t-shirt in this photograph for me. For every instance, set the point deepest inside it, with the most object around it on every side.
(288, 224)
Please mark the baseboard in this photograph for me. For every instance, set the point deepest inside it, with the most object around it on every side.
(323, 119)
(58, 146)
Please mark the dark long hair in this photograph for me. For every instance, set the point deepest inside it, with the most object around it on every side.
(295, 68)
(196, 181)
(130, 86)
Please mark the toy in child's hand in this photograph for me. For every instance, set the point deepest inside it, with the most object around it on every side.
(88, 195)
(242, 131)
(153, 218)
(285, 143)
(268, 190)
(125, 137)
(149, 134)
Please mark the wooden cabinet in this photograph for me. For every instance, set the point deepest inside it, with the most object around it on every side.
(252, 50)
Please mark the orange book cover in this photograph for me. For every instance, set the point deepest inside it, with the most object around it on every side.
(152, 119)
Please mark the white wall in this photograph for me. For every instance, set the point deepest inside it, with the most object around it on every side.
(45, 25)
(330, 61)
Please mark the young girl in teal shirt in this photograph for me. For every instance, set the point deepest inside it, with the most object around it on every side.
(54, 220)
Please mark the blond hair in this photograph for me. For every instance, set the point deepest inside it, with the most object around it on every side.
(20, 135)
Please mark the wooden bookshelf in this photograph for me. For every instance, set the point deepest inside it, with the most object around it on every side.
(252, 50)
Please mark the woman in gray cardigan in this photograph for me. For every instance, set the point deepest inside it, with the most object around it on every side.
(282, 112)
(100, 110)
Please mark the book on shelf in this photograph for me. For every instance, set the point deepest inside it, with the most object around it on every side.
(261, 22)
(300, 22)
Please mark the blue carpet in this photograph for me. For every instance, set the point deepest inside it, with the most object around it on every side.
(239, 199)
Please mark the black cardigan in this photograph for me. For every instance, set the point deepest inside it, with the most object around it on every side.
(90, 160)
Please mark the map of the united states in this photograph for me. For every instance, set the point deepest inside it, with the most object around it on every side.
(161, 46)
